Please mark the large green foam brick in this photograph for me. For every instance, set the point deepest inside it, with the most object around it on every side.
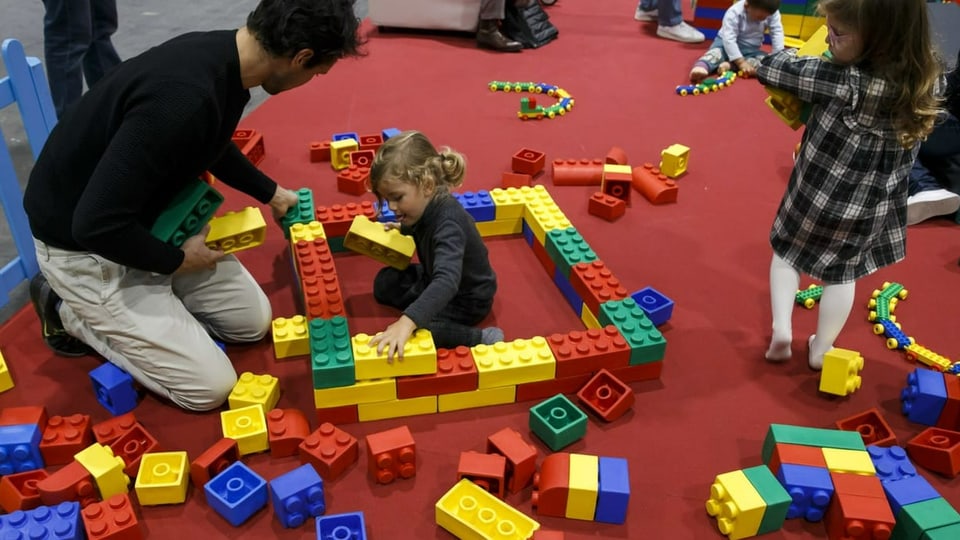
(774, 496)
(187, 213)
(923, 520)
(807, 436)
(647, 344)
(567, 248)
(558, 422)
(331, 354)
(302, 212)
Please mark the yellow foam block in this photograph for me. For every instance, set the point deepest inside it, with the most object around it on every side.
(515, 362)
(584, 487)
(419, 357)
(849, 461)
(397, 408)
(470, 513)
(736, 504)
(371, 238)
(366, 391)
(105, 468)
(162, 478)
(476, 398)
(247, 426)
(235, 231)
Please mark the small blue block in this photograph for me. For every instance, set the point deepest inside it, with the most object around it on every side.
(810, 488)
(297, 496)
(891, 463)
(390, 132)
(909, 490)
(528, 233)
(236, 493)
(60, 522)
(613, 495)
(924, 397)
(566, 289)
(114, 389)
(342, 527)
(20, 448)
(479, 205)
(655, 304)
(346, 135)
(384, 213)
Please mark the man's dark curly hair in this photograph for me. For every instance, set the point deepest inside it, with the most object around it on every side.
(327, 27)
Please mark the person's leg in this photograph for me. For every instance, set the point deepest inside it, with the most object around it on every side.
(398, 288)
(134, 319)
(101, 56)
(670, 17)
(835, 305)
(456, 324)
(784, 282)
(66, 36)
(707, 64)
(928, 193)
(646, 11)
(488, 28)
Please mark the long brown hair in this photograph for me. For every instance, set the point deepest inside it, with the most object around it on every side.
(896, 47)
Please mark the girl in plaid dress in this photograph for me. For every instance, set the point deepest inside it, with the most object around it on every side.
(843, 215)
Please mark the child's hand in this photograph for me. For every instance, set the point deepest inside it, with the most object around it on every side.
(748, 70)
(394, 338)
(390, 225)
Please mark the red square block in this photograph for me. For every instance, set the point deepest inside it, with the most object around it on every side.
(617, 185)
(391, 454)
(795, 454)
(581, 352)
(250, 142)
(596, 284)
(71, 483)
(456, 372)
(330, 450)
(110, 430)
(362, 158)
(529, 161)
(64, 437)
(15, 416)
(485, 470)
(19, 491)
(516, 180)
(521, 457)
(354, 180)
(337, 218)
(606, 396)
(606, 206)
(872, 426)
(213, 461)
(855, 517)
(936, 449)
(551, 486)
(132, 445)
(371, 142)
(112, 519)
(320, 151)
(286, 429)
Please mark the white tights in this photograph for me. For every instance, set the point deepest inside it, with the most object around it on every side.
(835, 305)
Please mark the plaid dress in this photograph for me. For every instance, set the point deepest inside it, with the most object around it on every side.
(843, 215)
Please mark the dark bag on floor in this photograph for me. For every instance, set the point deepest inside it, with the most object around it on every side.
(529, 25)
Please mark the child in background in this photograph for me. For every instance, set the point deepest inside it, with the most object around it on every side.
(451, 289)
(739, 39)
(843, 215)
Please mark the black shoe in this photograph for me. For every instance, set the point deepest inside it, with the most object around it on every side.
(45, 303)
(490, 37)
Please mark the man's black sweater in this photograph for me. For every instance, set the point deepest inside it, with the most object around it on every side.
(119, 155)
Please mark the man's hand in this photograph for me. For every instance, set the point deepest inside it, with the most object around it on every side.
(283, 199)
(196, 254)
(394, 338)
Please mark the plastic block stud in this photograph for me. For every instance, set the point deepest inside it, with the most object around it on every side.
(60, 521)
(237, 493)
(736, 505)
(252, 389)
(114, 388)
(558, 422)
(112, 519)
(20, 448)
(297, 496)
(841, 372)
(64, 437)
(391, 454)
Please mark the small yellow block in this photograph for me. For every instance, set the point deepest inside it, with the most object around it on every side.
(340, 152)
(674, 159)
(235, 231)
(515, 362)
(291, 337)
(584, 487)
(105, 468)
(841, 372)
(469, 512)
(370, 238)
(736, 504)
(397, 408)
(508, 203)
(543, 217)
(6, 380)
(368, 391)
(849, 461)
(614, 168)
(500, 227)
(476, 398)
(306, 231)
(589, 319)
(247, 426)
(162, 478)
(419, 357)
(260, 390)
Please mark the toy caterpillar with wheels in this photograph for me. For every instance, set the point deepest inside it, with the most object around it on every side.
(528, 105)
(710, 84)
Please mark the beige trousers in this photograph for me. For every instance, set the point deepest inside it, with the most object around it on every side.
(160, 328)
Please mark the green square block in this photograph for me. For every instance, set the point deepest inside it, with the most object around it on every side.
(647, 344)
(788, 8)
(187, 213)
(807, 436)
(917, 518)
(950, 532)
(558, 422)
(566, 248)
(773, 494)
(331, 354)
(302, 212)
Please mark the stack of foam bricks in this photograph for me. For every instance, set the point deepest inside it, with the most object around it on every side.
(352, 383)
(799, 18)
(615, 179)
(351, 155)
(858, 491)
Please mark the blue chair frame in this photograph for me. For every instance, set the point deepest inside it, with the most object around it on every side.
(26, 85)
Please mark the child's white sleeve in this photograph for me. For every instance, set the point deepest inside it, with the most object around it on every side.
(728, 33)
(775, 26)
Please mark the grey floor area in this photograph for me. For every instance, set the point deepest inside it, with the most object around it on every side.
(142, 24)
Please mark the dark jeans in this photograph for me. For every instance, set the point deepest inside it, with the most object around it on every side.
(76, 44)
(938, 164)
(452, 327)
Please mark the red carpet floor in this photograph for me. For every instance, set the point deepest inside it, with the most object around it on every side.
(709, 252)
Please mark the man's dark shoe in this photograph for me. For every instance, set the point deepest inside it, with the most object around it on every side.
(489, 36)
(45, 303)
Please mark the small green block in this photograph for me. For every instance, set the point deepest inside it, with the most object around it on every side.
(302, 212)
(773, 494)
(331, 354)
(914, 519)
(950, 532)
(187, 213)
(566, 247)
(558, 422)
(647, 344)
(807, 436)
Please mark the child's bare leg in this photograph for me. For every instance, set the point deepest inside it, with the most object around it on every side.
(784, 281)
(699, 72)
(835, 305)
